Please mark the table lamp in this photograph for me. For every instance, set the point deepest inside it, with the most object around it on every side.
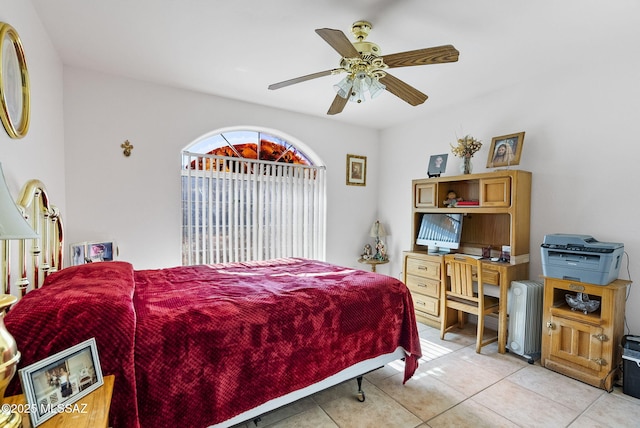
(377, 231)
(13, 225)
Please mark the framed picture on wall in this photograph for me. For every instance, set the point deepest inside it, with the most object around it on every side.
(505, 150)
(356, 170)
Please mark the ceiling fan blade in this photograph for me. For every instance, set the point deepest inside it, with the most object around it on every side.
(304, 78)
(402, 90)
(339, 42)
(435, 55)
(337, 105)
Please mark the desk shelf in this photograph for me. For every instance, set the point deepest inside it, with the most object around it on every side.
(502, 216)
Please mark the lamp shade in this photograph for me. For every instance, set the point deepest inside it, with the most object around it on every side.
(343, 88)
(12, 223)
(377, 230)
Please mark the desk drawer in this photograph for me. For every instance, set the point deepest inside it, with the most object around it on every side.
(426, 304)
(423, 268)
(490, 276)
(419, 284)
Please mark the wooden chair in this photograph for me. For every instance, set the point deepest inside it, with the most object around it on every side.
(458, 294)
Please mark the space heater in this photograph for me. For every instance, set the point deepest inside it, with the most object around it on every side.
(525, 318)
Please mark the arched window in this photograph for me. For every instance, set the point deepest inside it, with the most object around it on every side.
(250, 194)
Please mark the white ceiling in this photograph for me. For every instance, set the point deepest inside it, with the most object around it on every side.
(237, 48)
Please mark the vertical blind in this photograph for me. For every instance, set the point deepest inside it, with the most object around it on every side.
(238, 209)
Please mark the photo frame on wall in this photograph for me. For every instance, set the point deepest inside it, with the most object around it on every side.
(52, 385)
(356, 170)
(505, 150)
(89, 252)
(437, 165)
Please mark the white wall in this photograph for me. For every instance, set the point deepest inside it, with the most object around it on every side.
(136, 200)
(581, 145)
(40, 154)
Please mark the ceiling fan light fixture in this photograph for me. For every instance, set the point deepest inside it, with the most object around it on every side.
(357, 96)
(360, 86)
(376, 88)
(343, 88)
(365, 66)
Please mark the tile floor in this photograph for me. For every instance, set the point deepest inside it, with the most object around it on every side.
(455, 387)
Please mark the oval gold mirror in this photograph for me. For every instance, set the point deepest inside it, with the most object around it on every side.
(14, 83)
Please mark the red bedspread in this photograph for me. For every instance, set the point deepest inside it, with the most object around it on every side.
(214, 341)
(76, 304)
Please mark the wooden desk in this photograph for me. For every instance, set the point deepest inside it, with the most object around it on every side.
(501, 274)
(96, 415)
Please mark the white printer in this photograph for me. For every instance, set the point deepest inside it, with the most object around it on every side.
(581, 258)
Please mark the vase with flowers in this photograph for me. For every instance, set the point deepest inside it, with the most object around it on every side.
(467, 146)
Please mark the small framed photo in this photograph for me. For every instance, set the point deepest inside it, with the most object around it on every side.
(505, 150)
(437, 165)
(78, 253)
(101, 251)
(52, 385)
(356, 170)
(89, 252)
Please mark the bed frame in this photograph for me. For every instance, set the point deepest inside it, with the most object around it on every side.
(39, 257)
(36, 257)
(356, 371)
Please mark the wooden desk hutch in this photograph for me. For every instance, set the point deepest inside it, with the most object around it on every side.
(502, 217)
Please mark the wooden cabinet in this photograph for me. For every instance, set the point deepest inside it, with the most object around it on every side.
(495, 192)
(425, 195)
(501, 217)
(584, 346)
(423, 273)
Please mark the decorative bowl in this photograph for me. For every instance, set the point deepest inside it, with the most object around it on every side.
(581, 302)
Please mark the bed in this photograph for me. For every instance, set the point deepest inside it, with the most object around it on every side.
(216, 345)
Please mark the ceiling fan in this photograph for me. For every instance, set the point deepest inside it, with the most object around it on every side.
(366, 68)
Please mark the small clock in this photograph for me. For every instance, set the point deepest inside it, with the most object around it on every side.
(14, 83)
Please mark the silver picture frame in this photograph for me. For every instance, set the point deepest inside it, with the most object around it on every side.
(53, 385)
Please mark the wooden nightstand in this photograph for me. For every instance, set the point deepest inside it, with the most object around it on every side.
(96, 415)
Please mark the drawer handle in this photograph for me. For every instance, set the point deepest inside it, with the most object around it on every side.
(421, 303)
(422, 285)
(576, 287)
(601, 337)
(423, 268)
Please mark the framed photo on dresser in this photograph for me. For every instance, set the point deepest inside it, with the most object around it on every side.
(89, 252)
(437, 165)
(505, 150)
(54, 384)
